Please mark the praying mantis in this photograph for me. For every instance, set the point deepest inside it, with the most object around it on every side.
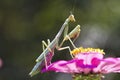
(46, 56)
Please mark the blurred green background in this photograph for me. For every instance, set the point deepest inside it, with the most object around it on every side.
(25, 23)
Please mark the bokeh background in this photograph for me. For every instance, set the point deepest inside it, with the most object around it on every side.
(25, 23)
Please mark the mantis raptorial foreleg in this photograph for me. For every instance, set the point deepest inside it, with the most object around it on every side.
(73, 34)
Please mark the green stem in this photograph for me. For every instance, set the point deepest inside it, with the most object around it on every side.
(87, 77)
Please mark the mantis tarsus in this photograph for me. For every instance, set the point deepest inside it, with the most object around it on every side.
(45, 58)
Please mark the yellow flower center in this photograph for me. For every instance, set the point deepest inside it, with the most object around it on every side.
(86, 50)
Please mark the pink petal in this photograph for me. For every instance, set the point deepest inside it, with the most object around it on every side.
(64, 66)
(114, 67)
(108, 65)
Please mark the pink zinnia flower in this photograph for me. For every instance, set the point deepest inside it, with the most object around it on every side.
(86, 60)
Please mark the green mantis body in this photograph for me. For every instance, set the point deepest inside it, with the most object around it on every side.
(45, 58)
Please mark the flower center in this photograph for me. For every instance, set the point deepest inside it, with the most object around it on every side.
(86, 50)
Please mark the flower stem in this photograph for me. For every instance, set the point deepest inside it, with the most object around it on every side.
(87, 77)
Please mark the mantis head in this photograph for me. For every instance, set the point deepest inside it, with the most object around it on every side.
(71, 18)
